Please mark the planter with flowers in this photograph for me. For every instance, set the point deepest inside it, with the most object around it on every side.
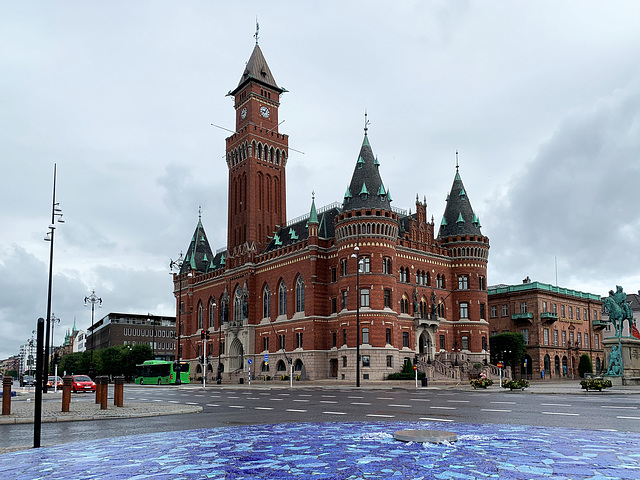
(515, 384)
(598, 384)
(481, 382)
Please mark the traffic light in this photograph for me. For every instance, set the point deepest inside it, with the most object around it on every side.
(208, 335)
(202, 359)
(202, 335)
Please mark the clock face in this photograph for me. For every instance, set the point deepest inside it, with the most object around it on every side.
(264, 111)
(243, 113)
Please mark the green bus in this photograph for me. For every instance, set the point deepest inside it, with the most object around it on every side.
(158, 372)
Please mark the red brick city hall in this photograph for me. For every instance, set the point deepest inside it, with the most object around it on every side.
(287, 290)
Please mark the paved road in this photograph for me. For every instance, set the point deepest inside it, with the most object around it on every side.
(254, 405)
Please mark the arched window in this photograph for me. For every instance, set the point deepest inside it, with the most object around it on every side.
(300, 294)
(237, 305)
(212, 312)
(282, 298)
(200, 315)
(266, 302)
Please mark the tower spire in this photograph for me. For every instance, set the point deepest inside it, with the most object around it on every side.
(257, 30)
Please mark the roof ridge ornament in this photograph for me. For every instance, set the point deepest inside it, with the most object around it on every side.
(366, 123)
(256, 36)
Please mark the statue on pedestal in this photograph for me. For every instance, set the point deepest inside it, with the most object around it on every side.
(619, 310)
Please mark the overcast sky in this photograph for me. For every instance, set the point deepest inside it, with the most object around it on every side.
(541, 99)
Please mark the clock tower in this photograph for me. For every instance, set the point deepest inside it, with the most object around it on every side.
(256, 156)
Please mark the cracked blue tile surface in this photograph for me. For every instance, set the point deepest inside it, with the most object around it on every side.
(338, 451)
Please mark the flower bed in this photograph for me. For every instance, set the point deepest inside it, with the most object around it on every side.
(515, 384)
(595, 384)
(482, 382)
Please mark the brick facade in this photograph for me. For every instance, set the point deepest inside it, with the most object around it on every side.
(296, 282)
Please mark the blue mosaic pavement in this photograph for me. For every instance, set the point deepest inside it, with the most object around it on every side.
(337, 451)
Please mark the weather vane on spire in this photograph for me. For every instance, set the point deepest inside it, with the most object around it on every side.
(257, 30)
(199, 212)
(456, 160)
(366, 123)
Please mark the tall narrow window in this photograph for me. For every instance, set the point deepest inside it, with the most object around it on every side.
(344, 299)
(388, 336)
(212, 312)
(282, 299)
(299, 340)
(365, 335)
(300, 295)
(405, 339)
(200, 315)
(364, 297)
(463, 282)
(387, 298)
(464, 310)
(266, 302)
(365, 265)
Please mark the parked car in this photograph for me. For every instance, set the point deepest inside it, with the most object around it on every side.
(27, 380)
(53, 380)
(82, 383)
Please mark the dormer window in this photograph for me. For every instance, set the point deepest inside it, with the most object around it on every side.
(364, 193)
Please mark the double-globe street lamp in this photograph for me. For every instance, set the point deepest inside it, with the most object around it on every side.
(56, 211)
(93, 299)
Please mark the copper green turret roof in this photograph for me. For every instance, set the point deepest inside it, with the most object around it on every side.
(367, 182)
(199, 256)
(313, 215)
(458, 218)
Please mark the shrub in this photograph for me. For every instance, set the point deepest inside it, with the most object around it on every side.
(405, 376)
(585, 365)
(515, 384)
(595, 384)
(481, 383)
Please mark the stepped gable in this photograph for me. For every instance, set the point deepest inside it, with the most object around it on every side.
(459, 218)
(366, 190)
(199, 256)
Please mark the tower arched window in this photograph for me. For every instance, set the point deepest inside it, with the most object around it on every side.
(300, 294)
(200, 315)
(237, 305)
(282, 298)
(266, 302)
(212, 312)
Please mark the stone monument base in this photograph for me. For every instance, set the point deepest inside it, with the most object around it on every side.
(630, 360)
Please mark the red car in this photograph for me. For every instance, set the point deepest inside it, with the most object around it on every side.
(53, 380)
(82, 383)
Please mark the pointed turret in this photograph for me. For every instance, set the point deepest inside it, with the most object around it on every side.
(458, 218)
(258, 71)
(366, 189)
(199, 254)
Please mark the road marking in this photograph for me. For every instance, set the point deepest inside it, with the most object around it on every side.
(276, 399)
(360, 403)
(494, 410)
(284, 394)
(236, 406)
(214, 396)
(294, 410)
(254, 398)
(419, 400)
(444, 408)
(555, 405)
(173, 401)
(212, 405)
(458, 401)
(199, 395)
(191, 403)
(385, 398)
(561, 413)
(611, 406)
(335, 413)
(429, 419)
(400, 406)
(506, 403)
(235, 398)
(157, 400)
(328, 401)
(305, 395)
(265, 393)
(380, 416)
(629, 418)
(356, 398)
(263, 408)
(295, 400)
(328, 396)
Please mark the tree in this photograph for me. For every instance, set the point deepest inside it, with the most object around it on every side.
(508, 347)
(585, 365)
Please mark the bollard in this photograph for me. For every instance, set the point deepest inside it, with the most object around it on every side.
(118, 391)
(98, 383)
(103, 381)
(7, 382)
(67, 382)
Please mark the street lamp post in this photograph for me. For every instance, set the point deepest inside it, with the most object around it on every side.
(93, 299)
(177, 266)
(356, 255)
(56, 211)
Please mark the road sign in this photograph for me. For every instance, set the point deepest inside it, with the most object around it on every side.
(266, 357)
(415, 367)
(249, 361)
(500, 365)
